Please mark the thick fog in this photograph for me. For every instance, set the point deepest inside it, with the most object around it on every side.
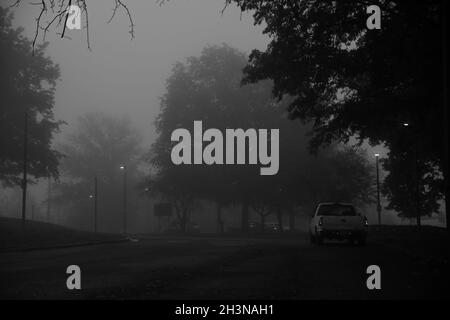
(127, 77)
(122, 76)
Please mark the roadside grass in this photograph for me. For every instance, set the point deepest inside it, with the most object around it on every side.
(45, 235)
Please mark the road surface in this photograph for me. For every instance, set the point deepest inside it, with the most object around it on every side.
(220, 268)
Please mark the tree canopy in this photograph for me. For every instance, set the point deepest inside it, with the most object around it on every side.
(208, 88)
(353, 82)
(28, 86)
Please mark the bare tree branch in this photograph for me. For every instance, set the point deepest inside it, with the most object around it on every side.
(38, 23)
(129, 17)
(119, 4)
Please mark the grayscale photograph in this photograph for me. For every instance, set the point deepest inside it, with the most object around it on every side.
(224, 155)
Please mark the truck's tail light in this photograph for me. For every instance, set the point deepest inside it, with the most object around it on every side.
(366, 222)
(320, 221)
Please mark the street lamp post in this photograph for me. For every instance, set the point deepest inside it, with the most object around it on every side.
(95, 204)
(124, 169)
(377, 155)
(25, 169)
(417, 173)
(147, 208)
(49, 194)
(94, 197)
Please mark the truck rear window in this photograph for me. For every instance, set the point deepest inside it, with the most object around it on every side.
(336, 210)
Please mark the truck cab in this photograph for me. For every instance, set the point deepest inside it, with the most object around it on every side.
(339, 221)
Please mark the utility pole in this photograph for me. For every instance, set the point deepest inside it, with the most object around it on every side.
(377, 155)
(25, 169)
(95, 204)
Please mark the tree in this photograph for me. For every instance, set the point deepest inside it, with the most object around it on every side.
(354, 82)
(414, 184)
(346, 175)
(98, 148)
(208, 88)
(28, 87)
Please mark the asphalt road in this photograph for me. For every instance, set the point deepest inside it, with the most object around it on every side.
(219, 268)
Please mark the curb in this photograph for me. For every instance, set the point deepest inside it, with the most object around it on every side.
(63, 246)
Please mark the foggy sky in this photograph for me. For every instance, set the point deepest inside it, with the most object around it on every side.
(127, 77)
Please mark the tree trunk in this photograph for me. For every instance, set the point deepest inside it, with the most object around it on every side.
(291, 221)
(245, 216)
(184, 219)
(183, 224)
(263, 221)
(280, 217)
(220, 224)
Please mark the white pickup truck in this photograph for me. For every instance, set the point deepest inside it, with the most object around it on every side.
(338, 221)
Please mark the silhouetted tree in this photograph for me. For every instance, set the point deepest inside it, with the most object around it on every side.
(414, 185)
(208, 88)
(354, 82)
(27, 92)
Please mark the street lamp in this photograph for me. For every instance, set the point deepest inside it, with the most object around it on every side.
(377, 155)
(124, 169)
(95, 204)
(94, 197)
(25, 169)
(414, 136)
(49, 195)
